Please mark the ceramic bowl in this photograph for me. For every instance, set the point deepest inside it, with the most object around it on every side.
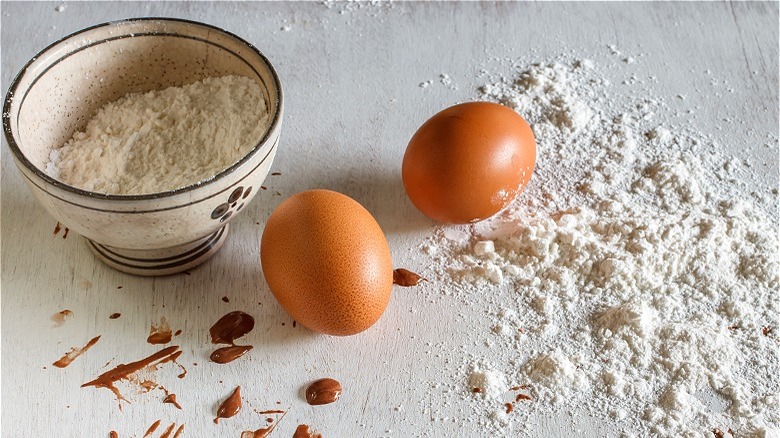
(58, 91)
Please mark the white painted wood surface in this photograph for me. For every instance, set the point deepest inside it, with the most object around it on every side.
(351, 74)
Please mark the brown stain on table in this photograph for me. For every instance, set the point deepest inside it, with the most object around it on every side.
(168, 431)
(59, 318)
(230, 406)
(75, 352)
(225, 331)
(160, 334)
(229, 354)
(406, 278)
(262, 432)
(152, 428)
(171, 398)
(124, 371)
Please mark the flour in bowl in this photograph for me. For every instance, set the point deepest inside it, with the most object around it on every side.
(163, 140)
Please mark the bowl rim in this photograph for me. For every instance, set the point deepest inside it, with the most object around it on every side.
(19, 155)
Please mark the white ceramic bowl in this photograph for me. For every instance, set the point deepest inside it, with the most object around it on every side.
(58, 91)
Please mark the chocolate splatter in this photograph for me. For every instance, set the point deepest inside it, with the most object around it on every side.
(231, 327)
(323, 391)
(74, 353)
(123, 371)
(263, 432)
(230, 406)
(152, 428)
(225, 331)
(229, 354)
(160, 334)
(273, 411)
(60, 317)
(302, 431)
(406, 278)
(171, 398)
(168, 431)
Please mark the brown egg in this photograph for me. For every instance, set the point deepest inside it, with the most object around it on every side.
(327, 262)
(468, 162)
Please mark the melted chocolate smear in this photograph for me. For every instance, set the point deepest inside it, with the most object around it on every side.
(148, 385)
(74, 353)
(65, 234)
(152, 428)
(60, 317)
(225, 299)
(231, 327)
(323, 392)
(276, 173)
(302, 431)
(168, 431)
(275, 411)
(123, 371)
(178, 431)
(406, 278)
(57, 228)
(171, 398)
(263, 432)
(160, 334)
(113, 434)
(114, 315)
(173, 358)
(229, 354)
(230, 406)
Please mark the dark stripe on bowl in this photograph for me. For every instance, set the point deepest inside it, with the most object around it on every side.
(189, 254)
(206, 243)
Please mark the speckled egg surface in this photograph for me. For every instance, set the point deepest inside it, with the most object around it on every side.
(468, 162)
(327, 261)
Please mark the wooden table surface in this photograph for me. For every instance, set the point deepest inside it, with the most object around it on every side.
(351, 75)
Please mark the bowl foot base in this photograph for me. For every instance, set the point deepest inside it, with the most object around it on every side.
(163, 261)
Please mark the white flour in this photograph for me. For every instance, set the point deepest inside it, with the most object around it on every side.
(163, 140)
(634, 277)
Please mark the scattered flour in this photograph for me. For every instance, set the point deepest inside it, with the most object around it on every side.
(163, 140)
(642, 284)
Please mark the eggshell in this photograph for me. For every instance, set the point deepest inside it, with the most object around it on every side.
(327, 261)
(468, 162)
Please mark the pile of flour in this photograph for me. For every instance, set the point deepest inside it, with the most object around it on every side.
(163, 140)
(634, 277)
